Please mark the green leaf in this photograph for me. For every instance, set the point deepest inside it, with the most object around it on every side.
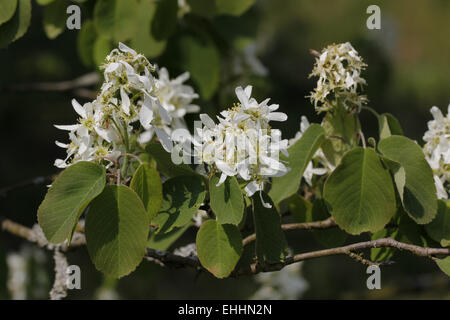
(143, 40)
(102, 47)
(233, 7)
(439, 228)
(165, 20)
(329, 238)
(16, 27)
(303, 211)
(164, 162)
(419, 195)
(7, 9)
(204, 8)
(444, 265)
(67, 198)
(411, 232)
(388, 125)
(202, 60)
(147, 184)
(182, 197)
(271, 245)
(300, 208)
(339, 123)
(384, 253)
(219, 247)
(117, 227)
(226, 200)
(300, 154)
(54, 19)
(85, 43)
(116, 19)
(360, 192)
(163, 241)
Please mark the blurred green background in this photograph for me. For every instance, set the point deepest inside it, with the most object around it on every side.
(268, 47)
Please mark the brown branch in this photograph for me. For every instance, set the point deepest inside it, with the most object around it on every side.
(324, 224)
(359, 258)
(16, 229)
(169, 259)
(31, 235)
(384, 242)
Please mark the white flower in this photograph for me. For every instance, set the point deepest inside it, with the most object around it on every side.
(174, 95)
(243, 144)
(437, 150)
(339, 70)
(173, 101)
(132, 106)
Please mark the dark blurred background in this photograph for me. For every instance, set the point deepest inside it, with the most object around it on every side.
(408, 73)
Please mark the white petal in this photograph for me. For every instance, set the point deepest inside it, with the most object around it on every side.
(103, 133)
(277, 116)
(192, 108)
(225, 168)
(273, 107)
(437, 114)
(145, 116)
(163, 113)
(164, 138)
(207, 121)
(124, 48)
(79, 109)
(441, 193)
(304, 124)
(222, 179)
(59, 163)
(145, 137)
(251, 188)
(61, 145)
(242, 96)
(182, 78)
(71, 127)
(125, 101)
(112, 67)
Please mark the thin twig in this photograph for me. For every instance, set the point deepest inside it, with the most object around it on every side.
(26, 183)
(324, 224)
(359, 258)
(384, 242)
(363, 138)
(82, 81)
(16, 229)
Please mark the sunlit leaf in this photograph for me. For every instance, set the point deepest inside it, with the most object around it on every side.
(360, 193)
(219, 247)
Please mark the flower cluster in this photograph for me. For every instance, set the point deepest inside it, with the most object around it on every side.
(319, 165)
(339, 68)
(131, 97)
(437, 150)
(243, 144)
